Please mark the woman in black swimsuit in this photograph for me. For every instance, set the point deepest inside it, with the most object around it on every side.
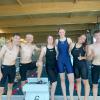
(49, 52)
(80, 65)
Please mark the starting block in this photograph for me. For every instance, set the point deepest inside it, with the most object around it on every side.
(36, 91)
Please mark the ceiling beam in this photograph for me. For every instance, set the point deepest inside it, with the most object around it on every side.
(26, 21)
(49, 8)
(42, 29)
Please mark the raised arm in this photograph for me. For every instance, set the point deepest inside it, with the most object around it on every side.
(90, 52)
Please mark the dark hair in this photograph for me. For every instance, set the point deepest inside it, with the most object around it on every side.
(29, 34)
(49, 36)
(85, 43)
(61, 28)
(16, 34)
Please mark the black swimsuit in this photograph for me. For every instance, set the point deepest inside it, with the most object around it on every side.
(51, 64)
(80, 66)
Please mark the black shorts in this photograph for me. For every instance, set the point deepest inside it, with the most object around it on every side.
(8, 72)
(25, 67)
(52, 74)
(95, 73)
(81, 70)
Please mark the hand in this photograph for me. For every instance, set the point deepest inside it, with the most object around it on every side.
(39, 63)
(80, 58)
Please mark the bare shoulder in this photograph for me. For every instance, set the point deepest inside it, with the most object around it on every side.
(43, 50)
(72, 44)
(56, 41)
(69, 40)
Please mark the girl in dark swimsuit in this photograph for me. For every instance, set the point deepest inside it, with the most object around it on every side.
(49, 52)
(80, 65)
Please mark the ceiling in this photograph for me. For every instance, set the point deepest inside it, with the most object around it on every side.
(46, 16)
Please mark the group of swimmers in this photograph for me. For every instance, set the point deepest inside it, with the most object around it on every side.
(57, 54)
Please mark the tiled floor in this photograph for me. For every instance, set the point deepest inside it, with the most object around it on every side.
(20, 97)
